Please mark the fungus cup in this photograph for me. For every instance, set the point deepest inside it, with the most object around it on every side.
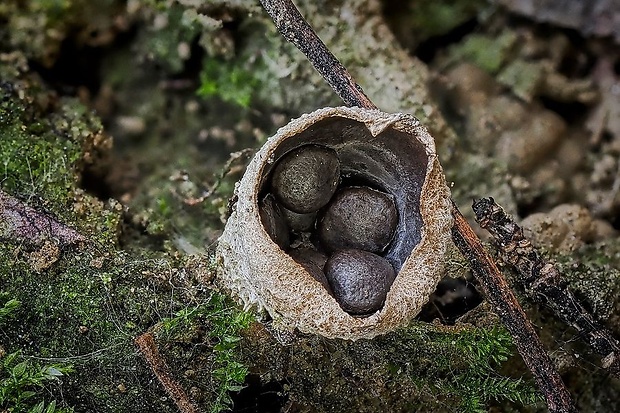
(391, 153)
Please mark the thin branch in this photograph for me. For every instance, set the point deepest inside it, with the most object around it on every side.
(295, 29)
(543, 282)
(500, 295)
(149, 350)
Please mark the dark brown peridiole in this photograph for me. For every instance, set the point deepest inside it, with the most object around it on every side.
(313, 261)
(359, 279)
(358, 217)
(273, 220)
(305, 179)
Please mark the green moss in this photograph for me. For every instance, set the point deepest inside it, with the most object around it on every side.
(436, 18)
(224, 323)
(227, 81)
(163, 43)
(476, 176)
(433, 367)
(37, 28)
(593, 274)
(522, 77)
(9, 305)
(32, 160)
(43, 150)
(463, 366)
(34, 165)
(489, 53)
(483, 352)
(87, 307)
(24, 382)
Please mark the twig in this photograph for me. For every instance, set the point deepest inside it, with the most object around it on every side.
(500, 295)
(295, 29)
(147, 346)
(543, 282)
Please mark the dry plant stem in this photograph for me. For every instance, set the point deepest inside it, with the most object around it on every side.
(500, 295)
(543, 282)
(295, 29)
(147, 346)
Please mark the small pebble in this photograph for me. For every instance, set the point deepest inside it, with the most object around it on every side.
(360, 280)
(359, 218)
(274, 222)
(305, 179)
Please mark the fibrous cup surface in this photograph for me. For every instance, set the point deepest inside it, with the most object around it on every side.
(392, 153)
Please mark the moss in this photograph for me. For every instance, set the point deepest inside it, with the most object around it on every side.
(172, 209)
(44, 149)
(282, 78)
(485, 51)
(437, 18)
(484, 351)
(88, 308)
(78, 312)
(229, 82)
(38, 28)
(9, 307)
(221, 323)
(414, 22)
(427, 366)
(162, 43)
(476, 176)
(522, 77)
(465, 367)
(24, 382)
(85, 305)
(593, 274)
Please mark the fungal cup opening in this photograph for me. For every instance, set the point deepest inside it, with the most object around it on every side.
(390, 169)
(283, 262)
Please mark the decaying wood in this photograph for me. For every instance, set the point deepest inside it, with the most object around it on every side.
(148, 348)
(543, 282)
(291, 24)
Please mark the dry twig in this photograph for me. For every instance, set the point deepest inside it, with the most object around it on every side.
(294, 28)
(147, 346)
(500, 295)
(543, 282)
(291, 24)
